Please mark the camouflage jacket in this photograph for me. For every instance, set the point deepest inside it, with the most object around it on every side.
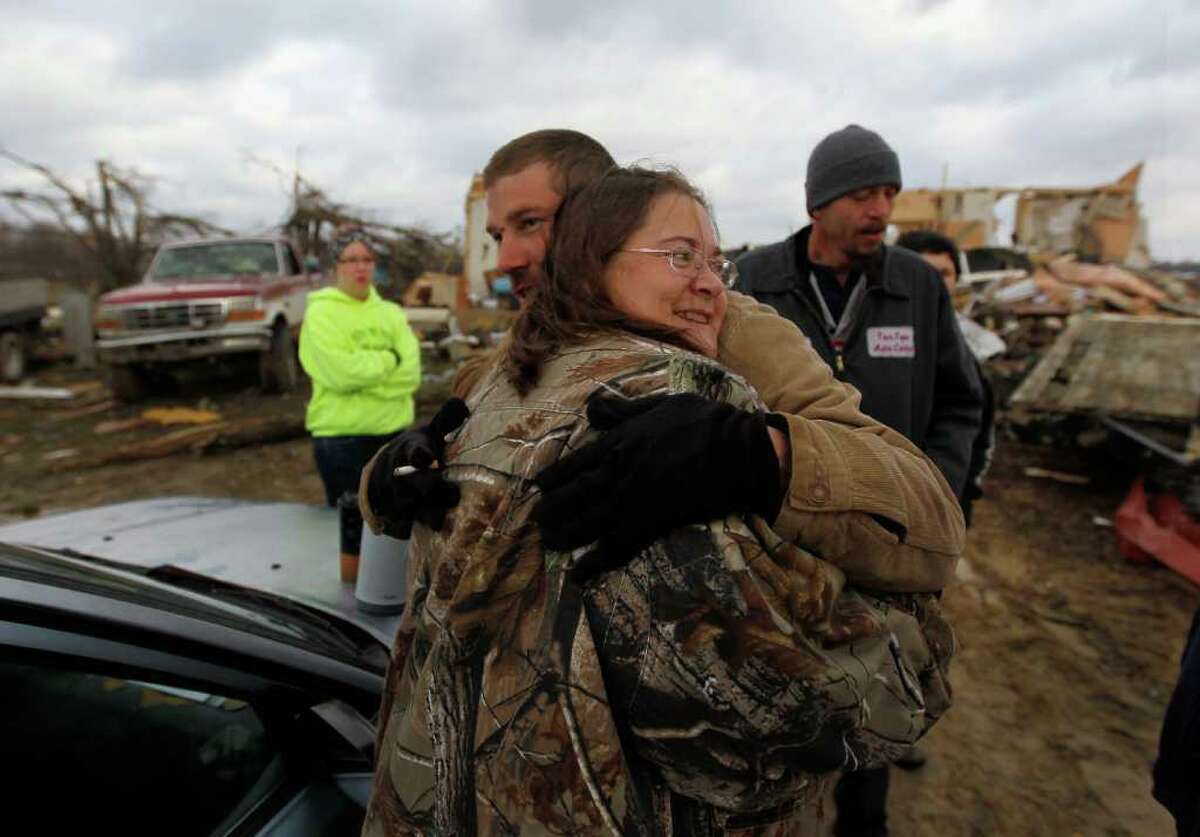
(712, 686)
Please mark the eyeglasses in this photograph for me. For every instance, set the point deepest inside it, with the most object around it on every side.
(688, 262)
(358, 260)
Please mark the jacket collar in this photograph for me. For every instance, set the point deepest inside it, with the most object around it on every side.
(779, 274)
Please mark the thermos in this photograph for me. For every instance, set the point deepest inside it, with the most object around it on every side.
(350, 528)
(381, 574)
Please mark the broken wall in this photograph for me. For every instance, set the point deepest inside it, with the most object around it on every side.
(480, 254)
(964, 215)
(1103, 224)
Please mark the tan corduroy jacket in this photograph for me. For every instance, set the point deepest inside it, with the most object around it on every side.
(860, 494)
(848, 471)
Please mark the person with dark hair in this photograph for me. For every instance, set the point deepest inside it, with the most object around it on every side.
(942, 254)
(710, 681)
(883, 321)
(365, 366)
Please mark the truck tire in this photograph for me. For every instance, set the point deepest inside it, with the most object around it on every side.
(128, 383)
(278, 370)
(12, 356)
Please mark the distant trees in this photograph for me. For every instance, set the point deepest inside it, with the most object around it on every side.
(109, 217)
(110, 221)
(43, 250)
(313, 218)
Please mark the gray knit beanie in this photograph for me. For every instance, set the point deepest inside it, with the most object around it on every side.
(849, 159)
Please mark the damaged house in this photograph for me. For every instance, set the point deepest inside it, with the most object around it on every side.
(1099, 224)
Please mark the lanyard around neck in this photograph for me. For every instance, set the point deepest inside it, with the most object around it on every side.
(838, 329)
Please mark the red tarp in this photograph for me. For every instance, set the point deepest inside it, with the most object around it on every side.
(1158, 526)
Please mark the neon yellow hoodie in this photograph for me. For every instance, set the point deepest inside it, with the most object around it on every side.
(358, 386)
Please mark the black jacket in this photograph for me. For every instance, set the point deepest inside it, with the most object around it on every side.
(1177, 771)
(904, 352)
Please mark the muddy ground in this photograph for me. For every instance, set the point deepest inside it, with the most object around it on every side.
(1068, 652)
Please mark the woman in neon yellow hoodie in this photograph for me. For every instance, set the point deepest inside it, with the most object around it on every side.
(365, 365)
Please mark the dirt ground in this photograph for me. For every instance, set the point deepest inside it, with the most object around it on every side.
(1068, 652)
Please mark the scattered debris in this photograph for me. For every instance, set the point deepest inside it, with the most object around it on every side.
(1132, 367)
(1159, 527)
(84, 410)
(218, 436)
(1017, 291)
(180, 415)
(62, 453)
(92, 387)
(104, 428)
(158, 416)
(1067, 269)
(43, 393)
(1057, 476)
(983, 344)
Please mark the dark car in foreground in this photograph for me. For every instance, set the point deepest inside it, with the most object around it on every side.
(147, 697)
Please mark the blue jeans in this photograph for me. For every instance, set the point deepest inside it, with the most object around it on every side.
(340, 460)
(861, 797)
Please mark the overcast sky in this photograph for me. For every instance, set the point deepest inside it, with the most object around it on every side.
(392, 105)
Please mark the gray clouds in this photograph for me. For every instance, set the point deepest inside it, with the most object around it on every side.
(393, 105)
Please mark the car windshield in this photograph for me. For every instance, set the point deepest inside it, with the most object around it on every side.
(254, 611)
(333, 632)
(220, 258)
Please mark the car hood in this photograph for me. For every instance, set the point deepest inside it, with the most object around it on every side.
(287, 549)
(212, 287)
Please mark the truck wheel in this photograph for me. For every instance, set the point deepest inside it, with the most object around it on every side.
(278, 370)
(12, 356)
(128, 383)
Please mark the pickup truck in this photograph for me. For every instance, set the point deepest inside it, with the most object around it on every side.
(207, 299)
(23, 303)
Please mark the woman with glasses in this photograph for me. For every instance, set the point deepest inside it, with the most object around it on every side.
(709, 683)
(365, 365)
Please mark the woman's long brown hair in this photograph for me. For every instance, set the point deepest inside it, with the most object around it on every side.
(570, 303)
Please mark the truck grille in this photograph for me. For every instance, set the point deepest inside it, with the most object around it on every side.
(175, 315)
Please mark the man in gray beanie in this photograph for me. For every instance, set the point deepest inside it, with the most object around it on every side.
(882, 318)
(846, 160)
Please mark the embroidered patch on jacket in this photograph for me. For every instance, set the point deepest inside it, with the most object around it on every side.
(891, 341)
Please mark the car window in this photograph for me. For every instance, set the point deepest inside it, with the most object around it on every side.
(289, 260)
(90, 753)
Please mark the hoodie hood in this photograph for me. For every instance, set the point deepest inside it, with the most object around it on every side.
(333, 294)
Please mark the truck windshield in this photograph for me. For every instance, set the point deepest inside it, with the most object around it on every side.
(216, 259)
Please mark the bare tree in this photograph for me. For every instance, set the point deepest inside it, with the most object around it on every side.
(313, 219)
(110, 217)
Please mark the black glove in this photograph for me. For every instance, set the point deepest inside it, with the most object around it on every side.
(426, 495)
(662, 462)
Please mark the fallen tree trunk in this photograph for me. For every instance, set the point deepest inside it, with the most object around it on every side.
(226, 435)
(264, 430)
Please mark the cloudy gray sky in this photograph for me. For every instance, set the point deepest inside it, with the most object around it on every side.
(392, 105)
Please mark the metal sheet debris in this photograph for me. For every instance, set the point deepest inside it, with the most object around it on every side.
(1120, 366)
